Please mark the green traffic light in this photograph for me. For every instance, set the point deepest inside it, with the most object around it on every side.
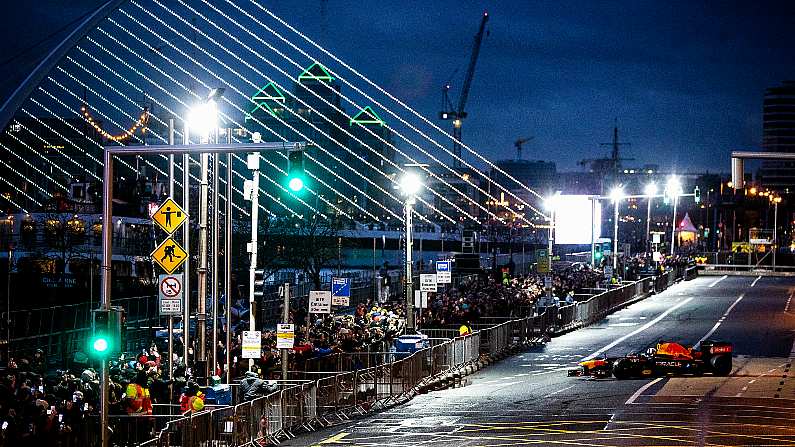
(296, 184)
(100, 345)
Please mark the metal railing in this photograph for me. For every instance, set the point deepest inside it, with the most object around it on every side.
(315, 403)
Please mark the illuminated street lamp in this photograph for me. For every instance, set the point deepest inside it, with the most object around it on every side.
(650, 191)
(616, 194)
(203, 119)
(410, 185)
(672, 190)
(550, 204)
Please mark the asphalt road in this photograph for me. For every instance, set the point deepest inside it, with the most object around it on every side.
(528, 399)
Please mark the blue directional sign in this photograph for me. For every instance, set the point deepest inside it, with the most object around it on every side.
(443, 272)
(340, 291)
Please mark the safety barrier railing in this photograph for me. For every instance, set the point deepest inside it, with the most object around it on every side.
(277, 415)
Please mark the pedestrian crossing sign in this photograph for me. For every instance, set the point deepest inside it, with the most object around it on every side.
(169, 255)
(169, 216)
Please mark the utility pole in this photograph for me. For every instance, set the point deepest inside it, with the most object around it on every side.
(253, 165)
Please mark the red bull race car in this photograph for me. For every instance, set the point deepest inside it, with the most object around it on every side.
(711, 357)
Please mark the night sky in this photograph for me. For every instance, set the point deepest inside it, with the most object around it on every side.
(684, 79)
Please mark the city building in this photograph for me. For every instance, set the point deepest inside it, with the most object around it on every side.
(778, 127)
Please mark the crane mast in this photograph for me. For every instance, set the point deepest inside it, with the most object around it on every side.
(458, 114)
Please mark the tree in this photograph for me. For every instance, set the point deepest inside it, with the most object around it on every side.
(311, 244)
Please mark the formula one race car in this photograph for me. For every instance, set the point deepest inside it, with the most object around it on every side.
(665, 358)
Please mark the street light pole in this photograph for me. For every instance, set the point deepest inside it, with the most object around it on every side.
(171, 195)
(410, 324)
(615, 233)
(228, 259)
(673, 223)
(201, 314)
(648, 223)
(104, 304)
(215, 277)
(775, 229)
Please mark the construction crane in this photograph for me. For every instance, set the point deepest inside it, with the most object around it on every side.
(458, 114)
(518, 144)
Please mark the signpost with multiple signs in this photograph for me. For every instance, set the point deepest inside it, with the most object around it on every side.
(340, 291)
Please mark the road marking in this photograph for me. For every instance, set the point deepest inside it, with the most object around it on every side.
(640, 391)
(639, 330)
(720, 321)
(334, 439)
(789, 300)
(559, 391)
(756, 280)
(714, 283)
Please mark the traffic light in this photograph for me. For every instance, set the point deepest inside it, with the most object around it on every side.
(597, 253)
(108, 329)
(259, 283)
(697, 195)
(295, 170)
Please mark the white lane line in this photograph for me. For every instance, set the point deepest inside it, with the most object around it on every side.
(789, 300)
(558, 391)
(756, 280)
(640, 391)
(714, 283)
(720, 321)
(640, 329)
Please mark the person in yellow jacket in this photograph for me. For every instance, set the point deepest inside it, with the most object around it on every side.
(139, 402)
(464, 330)
(197, 402)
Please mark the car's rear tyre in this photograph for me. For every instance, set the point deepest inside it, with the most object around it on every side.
(721, 365)
(621, 370)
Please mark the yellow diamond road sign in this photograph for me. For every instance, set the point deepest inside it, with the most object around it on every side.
(169, 216)
(169, 255)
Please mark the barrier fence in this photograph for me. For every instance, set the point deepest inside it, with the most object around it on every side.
(399, 377)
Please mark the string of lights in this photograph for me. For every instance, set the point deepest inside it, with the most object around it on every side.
(141, 122)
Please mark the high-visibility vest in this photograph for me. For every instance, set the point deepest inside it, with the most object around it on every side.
(140, 401)
(464, 330)
(197, 403)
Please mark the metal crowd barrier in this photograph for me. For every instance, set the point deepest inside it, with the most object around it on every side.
(313, 403)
